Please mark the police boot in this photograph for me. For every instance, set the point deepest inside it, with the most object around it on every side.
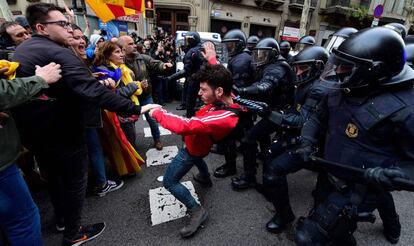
(279, 221)
(204, 180)
(244, 182)
(228, 169)
(198, 215)
(392, 229)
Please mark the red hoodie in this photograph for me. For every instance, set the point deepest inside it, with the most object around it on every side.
(210, 124)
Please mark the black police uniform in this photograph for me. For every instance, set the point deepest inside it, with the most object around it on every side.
(274, 87)
(240, 66)
(241, 69)
(370, 126)
(193, 60)
(282, 160)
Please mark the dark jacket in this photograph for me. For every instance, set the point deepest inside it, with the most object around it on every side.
(61, 118)
(143, 67)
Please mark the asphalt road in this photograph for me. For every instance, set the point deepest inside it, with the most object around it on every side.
(236, 218)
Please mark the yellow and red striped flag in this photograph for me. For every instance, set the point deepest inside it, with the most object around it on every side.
(107, 10)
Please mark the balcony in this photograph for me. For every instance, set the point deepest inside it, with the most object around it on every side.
(269, 4)
(298, 4)
(341, 7)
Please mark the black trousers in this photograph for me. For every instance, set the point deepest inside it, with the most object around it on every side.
(66, 167)
(260, 132)
(191, 97)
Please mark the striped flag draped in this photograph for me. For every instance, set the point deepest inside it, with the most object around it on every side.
(107, 10)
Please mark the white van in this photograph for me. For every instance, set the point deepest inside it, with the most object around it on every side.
(204, 36)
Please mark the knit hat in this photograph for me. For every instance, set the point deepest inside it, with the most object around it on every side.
(94, 39)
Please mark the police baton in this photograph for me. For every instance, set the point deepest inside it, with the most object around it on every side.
(398, 183)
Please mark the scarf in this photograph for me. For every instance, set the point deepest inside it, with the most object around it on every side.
(126, 78)
(11, 73)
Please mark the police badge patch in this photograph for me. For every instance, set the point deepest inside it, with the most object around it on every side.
(351, 130)
(298, 107)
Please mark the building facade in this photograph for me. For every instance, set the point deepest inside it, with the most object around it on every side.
(265, 18)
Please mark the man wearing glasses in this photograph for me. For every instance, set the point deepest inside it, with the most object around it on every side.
(53, 125)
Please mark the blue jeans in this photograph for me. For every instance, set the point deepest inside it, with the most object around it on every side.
(155, 131)
(179, 166)
(19, 216)
(96, 156)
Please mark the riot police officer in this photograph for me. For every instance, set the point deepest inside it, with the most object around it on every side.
(284, 51)
(308, 65)
(305, 41)
(242, 71)
(338, 37)
(193, 59)
(368, 123)
(274, 86)
(251, 43)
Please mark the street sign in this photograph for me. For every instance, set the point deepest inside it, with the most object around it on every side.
(375, 22)
(378, 10)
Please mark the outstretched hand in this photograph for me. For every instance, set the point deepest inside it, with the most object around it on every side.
(148, 107)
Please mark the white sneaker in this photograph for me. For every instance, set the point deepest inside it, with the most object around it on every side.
(109, 187)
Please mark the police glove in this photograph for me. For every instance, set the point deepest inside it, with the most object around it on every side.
(383, 177)
(237, 90)
(305, 149)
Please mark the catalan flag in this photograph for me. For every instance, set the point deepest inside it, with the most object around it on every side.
(107, 10)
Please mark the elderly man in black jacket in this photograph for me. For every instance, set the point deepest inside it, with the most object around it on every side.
(53, 125)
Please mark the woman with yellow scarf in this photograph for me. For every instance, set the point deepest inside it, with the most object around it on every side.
(119, 145)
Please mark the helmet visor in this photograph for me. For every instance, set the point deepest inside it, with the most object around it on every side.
(260, 56)
(303, 72)
(231, 47)
(333, 42)
(340, 73)
(189, 41)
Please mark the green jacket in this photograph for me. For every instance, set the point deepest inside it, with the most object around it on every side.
(12, 93)
(143, 67)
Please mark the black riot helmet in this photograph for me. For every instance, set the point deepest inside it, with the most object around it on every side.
(266, 51)
(309, 63)
(338, 37)
(284, 48)
(409, 49)
(398, 27)
(252, 41)
(235, 41)
(306, 41)
(372, 57)
(192, 39)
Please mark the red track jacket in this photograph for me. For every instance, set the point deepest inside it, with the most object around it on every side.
(210, 124)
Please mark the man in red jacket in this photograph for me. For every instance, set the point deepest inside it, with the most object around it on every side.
(211, 123)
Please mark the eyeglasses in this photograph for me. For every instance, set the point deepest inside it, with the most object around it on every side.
(63, 24)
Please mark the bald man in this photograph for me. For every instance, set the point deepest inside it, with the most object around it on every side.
(143, 65)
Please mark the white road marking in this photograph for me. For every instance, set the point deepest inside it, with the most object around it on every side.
(143, 117)
(163, 131)
(164, 206)
(159, 157)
